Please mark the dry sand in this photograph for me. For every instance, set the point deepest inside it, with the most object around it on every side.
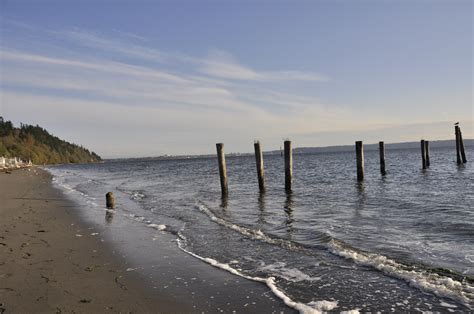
(45, 267)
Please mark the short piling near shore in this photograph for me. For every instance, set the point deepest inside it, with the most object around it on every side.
(110, 200)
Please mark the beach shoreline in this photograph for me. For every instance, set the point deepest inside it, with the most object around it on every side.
(47, 267)
(54, 261)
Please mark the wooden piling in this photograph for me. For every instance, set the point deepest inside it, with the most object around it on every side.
(288, 165)
(458, 149)
(109, 200)
(427, 153)
(382, 158)
(360, 160)
(423, 154)
(222, 168)
(461, 146)
(260, 169)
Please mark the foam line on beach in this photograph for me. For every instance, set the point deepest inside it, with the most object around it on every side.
(430, 282)
(314, 307)
(441, 286)
(251, 233)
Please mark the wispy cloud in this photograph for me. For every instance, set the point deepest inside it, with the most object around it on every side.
(123, 47)
(219, 63)
(222, 64)
(88, 63)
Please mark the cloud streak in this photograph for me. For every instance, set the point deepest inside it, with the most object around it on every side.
(123, 47)
(221, 64)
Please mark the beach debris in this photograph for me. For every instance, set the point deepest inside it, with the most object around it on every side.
(7, 289)
(121, 285)
(78, 235)
(85, 300)
(45, 278)
(91, 268)
(109, 200)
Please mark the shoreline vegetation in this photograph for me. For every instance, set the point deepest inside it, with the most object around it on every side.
(33, 144)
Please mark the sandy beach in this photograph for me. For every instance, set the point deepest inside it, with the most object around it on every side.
(52, 261)
(45, 267)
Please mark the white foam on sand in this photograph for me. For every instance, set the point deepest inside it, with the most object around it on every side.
(427, 281)
(290, 274)
(157, 227)
(251, 233)
(314, 307)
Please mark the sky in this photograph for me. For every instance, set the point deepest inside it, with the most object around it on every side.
(148, 78)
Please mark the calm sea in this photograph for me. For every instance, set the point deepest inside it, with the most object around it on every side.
(403, 242)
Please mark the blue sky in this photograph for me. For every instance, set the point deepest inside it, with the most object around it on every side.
(144, 78)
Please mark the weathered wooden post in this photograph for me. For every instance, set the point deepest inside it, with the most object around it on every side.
(288, 165)
(423, 154)
(458, 150)
(260, 169)
(461, 146)
(109, 200)
(382, 158)
(222, 168)
(427, 153)
(360, 160)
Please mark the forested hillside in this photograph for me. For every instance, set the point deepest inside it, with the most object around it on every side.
(35, 143)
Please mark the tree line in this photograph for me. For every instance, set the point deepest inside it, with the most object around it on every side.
(34, 143)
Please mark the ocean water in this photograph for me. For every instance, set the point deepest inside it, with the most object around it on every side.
(403, 242)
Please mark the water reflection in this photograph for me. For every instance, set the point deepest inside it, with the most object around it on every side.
(109, 216)
(261, 206)
(461, 167)
(224, 201)
(361, 196)
(289, 205)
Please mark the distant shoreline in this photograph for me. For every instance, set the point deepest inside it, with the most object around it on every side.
(309, 149)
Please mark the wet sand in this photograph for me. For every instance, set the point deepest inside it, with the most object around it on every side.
(51, 260)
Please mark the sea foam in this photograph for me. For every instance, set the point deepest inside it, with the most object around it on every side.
(430, 282)
(426, 281)
(314, 307)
